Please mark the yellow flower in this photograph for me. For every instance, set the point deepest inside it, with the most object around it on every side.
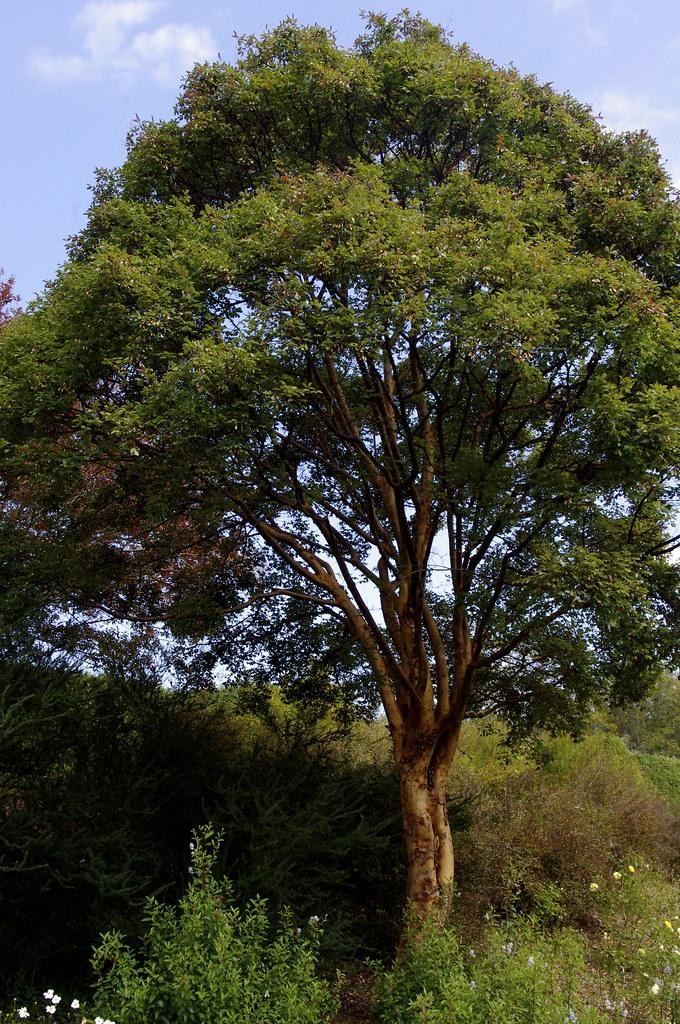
(594, 887)
(631, 869)
(642, 952)
(669, 924)
(617, 875)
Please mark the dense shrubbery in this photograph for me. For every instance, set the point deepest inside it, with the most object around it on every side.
(206, 961)
(103, 780)
(542, 833)
(663, 772)
(517, 976)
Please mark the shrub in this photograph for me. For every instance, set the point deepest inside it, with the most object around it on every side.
(663, 772)
(638, 944)
(207, 961)
(542, 834)
(102, 780)
(518, 976)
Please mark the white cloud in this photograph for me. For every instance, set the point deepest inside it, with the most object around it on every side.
(173, 47)
(111, 45)
(623, 112)
(593, 35)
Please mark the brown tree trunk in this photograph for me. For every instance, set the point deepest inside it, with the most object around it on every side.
(427, 839)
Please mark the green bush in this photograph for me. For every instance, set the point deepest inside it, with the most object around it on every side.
(637, 947)
(541, 833)
(516, 976)
(207, 962)
(663, 772)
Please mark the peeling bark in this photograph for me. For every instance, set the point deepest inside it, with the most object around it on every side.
(428, 839)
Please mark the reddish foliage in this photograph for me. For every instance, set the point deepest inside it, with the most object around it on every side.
(8, 300)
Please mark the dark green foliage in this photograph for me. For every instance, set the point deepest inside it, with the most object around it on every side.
(92, 777)
(308, 830)
(103, 780)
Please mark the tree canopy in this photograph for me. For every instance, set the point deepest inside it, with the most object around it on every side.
(387, 332)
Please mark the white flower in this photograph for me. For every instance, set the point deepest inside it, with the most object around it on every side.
(472, 953)
(192, 847)
(655, 988)
(507, 948)
(266, 995)
(75, 1005)
(50, 1008)
(473, 985)
(49, 993)
(314, 919)
(56, 999)
(530, 961)
(23, 1012)
(99, 1020)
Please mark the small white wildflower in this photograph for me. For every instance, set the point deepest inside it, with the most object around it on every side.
(314, 919)
(266, 995)
(50, 1008)
(507, 948)
(655, 988)
(473, 985)
(56, 999)
(75, 1004)
(530, 961)
(191, 870)
(192, 847)
(99, 1020)
(23, 1013)
(49, 993)
(298, 931)
(471, 953)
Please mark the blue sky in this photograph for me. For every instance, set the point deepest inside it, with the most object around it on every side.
(75, 74)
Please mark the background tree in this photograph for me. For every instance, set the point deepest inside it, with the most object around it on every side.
(386, 331)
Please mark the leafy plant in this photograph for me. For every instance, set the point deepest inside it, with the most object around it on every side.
(208, 961)
(517, 976)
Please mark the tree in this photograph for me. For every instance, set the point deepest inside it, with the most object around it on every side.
(389, 332)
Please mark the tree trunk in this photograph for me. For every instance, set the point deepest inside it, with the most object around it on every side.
(427, 839)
